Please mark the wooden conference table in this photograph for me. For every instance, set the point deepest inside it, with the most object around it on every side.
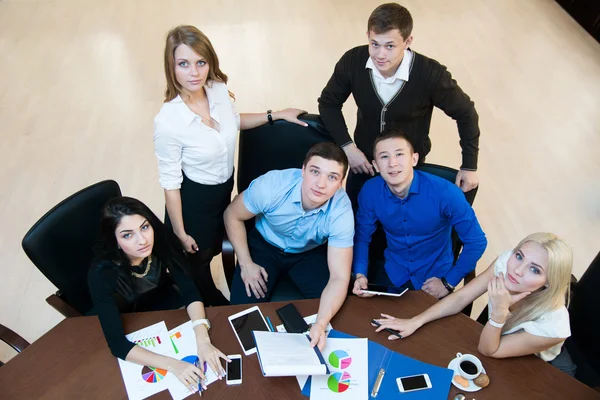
(73, 361)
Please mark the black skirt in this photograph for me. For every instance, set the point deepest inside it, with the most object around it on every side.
(202, 208)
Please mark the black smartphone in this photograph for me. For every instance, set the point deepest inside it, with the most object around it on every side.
(292, 320)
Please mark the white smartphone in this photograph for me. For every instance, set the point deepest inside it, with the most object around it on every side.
(383, 290)
(413, 382)
(234, 370)
(243, 323)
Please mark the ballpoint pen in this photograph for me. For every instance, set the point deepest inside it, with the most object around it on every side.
(270, 324)
(393, 332)
(199, 381)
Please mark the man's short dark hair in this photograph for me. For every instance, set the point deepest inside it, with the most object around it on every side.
(390, 16)
(393, 133)
(328, 151)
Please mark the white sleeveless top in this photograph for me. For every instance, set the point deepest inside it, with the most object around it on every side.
(553, 324)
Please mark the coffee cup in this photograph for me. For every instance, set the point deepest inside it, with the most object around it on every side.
(468, 366)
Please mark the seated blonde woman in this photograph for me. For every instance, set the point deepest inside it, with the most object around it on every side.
(527, 288)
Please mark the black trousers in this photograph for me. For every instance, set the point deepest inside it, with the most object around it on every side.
(354, 183)
(309, 270)
(202, 208)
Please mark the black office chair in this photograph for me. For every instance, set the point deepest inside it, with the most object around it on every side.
(270, 147)
(584, 344)
(379, 241)
(12, 339)
(61, 245)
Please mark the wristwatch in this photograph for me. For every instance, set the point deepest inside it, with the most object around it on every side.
(202, 321)
(270, 116)
(448, 286)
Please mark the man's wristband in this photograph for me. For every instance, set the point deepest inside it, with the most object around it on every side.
(270, 116)
(448, 286)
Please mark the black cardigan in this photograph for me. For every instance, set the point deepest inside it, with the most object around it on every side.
(430, 85)
(104, 279)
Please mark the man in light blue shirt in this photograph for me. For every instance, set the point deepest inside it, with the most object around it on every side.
(304, 227)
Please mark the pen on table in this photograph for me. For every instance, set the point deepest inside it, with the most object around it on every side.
(199, 381)
(393, 332)
(270, 324)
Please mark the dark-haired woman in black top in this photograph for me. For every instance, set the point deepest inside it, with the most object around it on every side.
(137, 263)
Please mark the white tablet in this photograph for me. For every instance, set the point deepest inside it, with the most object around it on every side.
(382, 290)
(243, 323)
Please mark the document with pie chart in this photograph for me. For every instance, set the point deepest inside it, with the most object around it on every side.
(144, 381)
(347, 360)
(182, 342)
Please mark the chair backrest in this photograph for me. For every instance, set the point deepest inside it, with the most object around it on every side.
(61, 243)
(279, 146)
(584, 315)
(449, 174)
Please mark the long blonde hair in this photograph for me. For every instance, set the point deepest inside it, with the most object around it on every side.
(557, 291)
(197, 41)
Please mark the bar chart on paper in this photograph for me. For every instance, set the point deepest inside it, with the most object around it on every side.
(149, 342)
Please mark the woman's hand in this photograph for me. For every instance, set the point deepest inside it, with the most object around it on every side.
(290, 115)
(188, 243)
(209, 353)
(405, 327)
(501, 299)
(188, 374)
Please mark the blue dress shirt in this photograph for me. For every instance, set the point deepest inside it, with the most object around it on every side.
(418, 230)
(276, 200)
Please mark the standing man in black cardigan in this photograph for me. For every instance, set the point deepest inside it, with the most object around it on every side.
(395, 86)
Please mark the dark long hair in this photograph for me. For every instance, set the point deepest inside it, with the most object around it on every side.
(167, 247)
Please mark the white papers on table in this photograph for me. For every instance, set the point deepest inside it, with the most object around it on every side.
(311, 319)
(348, 361)
(141, 381)
(287, 354)
(182, 343)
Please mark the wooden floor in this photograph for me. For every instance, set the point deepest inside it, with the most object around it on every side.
(81, 81)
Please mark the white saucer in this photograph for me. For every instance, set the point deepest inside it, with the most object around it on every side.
(472, 387)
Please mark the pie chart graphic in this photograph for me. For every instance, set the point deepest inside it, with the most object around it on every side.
(193, 360)
(338, 382)
(153, 375)
(340, 359)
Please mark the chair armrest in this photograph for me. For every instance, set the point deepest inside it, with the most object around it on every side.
(12, 339)
(61, 306)
(228, 257)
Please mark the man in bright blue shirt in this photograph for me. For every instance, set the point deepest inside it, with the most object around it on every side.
(304, 227)
(417, 211)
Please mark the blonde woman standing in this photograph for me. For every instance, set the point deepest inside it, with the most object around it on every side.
(527, 288)
(195, 135)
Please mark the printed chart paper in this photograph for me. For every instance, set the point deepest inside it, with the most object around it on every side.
(348, 362)
(143, 381)
(182, 344)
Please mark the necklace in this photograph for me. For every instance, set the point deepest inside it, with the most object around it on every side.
(143, 274)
